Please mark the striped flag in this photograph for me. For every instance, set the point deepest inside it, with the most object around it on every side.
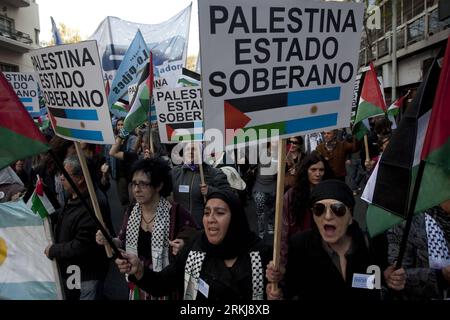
(423, 134)
(20, 137)
(394, 108)
(39, 203)
(55, 32)
(81, 124)
(140, 104)
(25, 272)
(185, 131)
(371, 103)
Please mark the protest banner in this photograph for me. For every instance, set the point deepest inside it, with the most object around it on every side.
(167, 40)
(180, 114)
(72, 86)
(26, 88)
(285, 65)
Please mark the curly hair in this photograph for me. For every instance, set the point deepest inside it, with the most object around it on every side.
(302, 189)
(158, 171)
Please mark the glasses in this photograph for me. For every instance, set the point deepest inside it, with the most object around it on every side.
(294, 142)
(140, 184)
(339, 209)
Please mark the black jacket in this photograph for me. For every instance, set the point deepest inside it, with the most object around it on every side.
(75, 242)
(224, 283)
(311, 274)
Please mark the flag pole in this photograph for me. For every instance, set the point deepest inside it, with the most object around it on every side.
(49, 236)
(409, 217)
(200, 167)
(83, 201)
(50, 239)
(150, 129)
(91, 189)
(366, 148)
(279, 206)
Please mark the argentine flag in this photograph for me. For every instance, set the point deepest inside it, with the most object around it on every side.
(25, 272)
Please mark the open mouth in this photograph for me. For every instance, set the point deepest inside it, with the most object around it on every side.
(329, 229)
(213, 231)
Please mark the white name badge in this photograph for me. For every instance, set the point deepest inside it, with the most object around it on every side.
(363, 281)
(203, 287)
(183, 188)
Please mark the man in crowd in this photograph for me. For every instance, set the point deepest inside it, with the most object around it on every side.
(74, 246)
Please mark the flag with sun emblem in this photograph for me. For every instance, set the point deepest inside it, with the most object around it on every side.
(25, 272)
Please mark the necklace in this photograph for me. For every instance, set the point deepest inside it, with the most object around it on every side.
(151, 220)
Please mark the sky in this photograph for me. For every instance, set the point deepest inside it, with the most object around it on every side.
(86, 15)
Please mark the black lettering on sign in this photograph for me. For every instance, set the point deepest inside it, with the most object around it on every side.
(238, 21)
(255, 28)
(215, 17)
(239, 51)
(293, 15)
(274, 19)
(262, 50)
(213, 79)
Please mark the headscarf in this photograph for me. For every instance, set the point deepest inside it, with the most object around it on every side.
(333, 189)
(239, 237)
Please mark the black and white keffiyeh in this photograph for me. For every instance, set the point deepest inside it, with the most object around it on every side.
(160, 234)
(194, 265)
(438, 252)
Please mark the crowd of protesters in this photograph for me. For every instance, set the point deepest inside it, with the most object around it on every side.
(203, 230)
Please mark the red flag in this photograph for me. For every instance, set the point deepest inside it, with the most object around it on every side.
(436, 147)
(20, 136)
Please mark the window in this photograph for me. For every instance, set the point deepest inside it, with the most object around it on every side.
(6, 25)
(8, 67)
(36, 36)
(416, 30)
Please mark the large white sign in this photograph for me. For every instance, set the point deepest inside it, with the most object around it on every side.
(288, 65)
(70, 77)
(180, 114)
(26, 88)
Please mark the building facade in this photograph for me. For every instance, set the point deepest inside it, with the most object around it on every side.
(19, 34)
(423, 26)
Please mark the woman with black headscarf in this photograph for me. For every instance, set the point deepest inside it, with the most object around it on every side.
(225, 262)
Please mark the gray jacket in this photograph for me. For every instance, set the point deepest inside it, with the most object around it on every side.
(186, 188)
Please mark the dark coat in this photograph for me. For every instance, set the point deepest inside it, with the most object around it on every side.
(75, 242)
(311, 274)
(224, 283)
(193, 200)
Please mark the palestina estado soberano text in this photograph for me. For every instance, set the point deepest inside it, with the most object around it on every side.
(60, 81)
(282, 49)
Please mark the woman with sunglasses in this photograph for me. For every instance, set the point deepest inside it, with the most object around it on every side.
(324, 263)
(297, 215)
(154, 229)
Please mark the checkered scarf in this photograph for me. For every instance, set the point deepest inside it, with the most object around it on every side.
(160, 234)
(193, 267)
(438, 253)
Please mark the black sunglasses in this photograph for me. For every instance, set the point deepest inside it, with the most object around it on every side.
(338, 208)
(294, 142)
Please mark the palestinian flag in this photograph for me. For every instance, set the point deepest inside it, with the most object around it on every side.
(39, 203)
(422, 135)
(371, 103)
(140, 104)
(20, 136)
(394, 109)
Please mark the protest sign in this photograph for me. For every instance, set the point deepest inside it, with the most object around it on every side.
(26, 88)
(180, 114)
(71, 81)
(285, 65)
